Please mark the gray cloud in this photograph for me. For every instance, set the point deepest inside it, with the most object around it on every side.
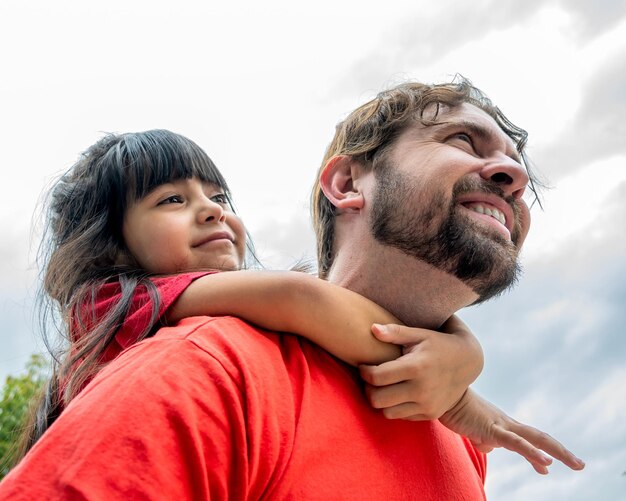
(17, 333)
(594, 18)
(422, 39)
(16, 255)
(282, 246)
(598, 129)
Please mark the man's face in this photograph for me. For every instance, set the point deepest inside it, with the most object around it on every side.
(450, 195)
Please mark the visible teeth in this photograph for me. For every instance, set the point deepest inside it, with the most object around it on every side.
(493, 212)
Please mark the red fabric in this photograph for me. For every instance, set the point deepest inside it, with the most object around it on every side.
(140, 313)
(214, 408)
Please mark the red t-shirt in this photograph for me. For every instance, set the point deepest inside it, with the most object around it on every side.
(140, 312)
(139, 318)
(214, 408)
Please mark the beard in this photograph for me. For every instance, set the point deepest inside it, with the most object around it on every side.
(438, 233)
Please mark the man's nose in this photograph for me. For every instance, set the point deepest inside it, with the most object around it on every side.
(210, 211)
(507, 173)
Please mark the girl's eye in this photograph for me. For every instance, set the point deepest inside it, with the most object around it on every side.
(174, 199)
(220, 198)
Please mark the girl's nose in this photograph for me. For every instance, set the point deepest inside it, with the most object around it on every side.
(210, 211)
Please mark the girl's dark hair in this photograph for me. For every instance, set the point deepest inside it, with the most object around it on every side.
(83, 248)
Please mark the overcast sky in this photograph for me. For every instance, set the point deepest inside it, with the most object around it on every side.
(260, 86)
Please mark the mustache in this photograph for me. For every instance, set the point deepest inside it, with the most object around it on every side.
(472, 184)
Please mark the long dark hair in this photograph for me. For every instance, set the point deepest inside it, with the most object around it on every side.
(83, 248)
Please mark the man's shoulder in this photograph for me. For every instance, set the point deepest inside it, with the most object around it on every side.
(227, 344)
(211, 351)
(217, 333)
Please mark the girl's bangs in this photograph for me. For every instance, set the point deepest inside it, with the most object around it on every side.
(157, 157)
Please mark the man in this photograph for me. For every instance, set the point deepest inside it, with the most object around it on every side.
(418, 207)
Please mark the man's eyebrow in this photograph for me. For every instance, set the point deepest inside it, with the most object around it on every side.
(478, 130)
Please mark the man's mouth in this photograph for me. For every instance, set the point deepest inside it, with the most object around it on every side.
(488, 204)
(489, 211)
(491, 215)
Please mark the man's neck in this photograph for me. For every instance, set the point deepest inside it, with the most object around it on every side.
(415, 292)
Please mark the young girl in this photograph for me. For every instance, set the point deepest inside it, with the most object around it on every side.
(138, 228)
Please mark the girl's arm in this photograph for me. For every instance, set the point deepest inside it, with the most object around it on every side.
(335, 318)
(432, 375)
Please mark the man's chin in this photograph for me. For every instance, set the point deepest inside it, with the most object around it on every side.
(502, 278)
(488, 264)
(487, 293)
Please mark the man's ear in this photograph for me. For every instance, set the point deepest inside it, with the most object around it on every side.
(337, 181)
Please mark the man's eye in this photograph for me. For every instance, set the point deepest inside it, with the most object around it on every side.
(174, 199)
(463, 137)
(220, 198)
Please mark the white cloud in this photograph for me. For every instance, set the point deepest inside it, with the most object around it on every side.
(608, 399)
(577, 208)
(597, 437)
(283, 245)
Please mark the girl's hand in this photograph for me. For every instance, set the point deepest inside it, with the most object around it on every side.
(488, 427)
(430, 377)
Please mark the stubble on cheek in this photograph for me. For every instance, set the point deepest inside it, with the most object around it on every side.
(406, 217)
(430, 226)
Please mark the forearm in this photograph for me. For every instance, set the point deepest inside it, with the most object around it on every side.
(335, 318)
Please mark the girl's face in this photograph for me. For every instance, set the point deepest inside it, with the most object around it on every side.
(184, 225)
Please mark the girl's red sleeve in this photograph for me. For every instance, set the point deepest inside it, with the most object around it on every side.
(141, 309)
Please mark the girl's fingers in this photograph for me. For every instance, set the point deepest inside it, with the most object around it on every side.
(390, 396)
(395, 371)
(408, 411)
(416, 417)
(398, 334)
(514, 442)
(550, 445)
(397, 402)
